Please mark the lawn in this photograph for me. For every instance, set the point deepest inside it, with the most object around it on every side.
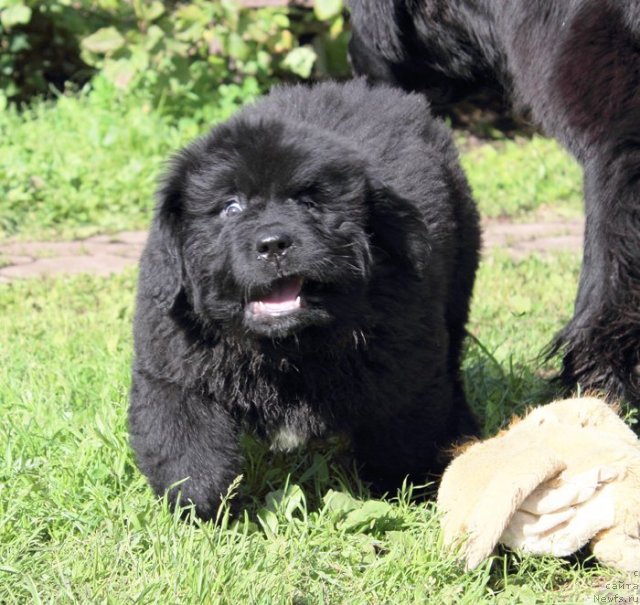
(85, 166)
(78, 523)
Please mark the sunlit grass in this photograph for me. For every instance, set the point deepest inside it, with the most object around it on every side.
(81, 166)
(79, 525)
(523, 179)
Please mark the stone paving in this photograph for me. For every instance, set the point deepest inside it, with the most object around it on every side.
(107, 254)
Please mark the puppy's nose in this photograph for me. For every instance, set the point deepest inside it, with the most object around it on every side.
(272, 244)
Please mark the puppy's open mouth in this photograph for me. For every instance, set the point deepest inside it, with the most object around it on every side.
(283, 298)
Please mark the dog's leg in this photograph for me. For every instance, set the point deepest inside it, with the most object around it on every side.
(184, 444)
(592, 104)
(601, 343)
(407, 445)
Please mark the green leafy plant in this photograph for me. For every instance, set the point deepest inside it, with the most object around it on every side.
(39, 47)
(180, 56)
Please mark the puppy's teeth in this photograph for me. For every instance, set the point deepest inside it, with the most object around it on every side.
(298, 301)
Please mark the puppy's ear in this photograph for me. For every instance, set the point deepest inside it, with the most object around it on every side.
(398, 228)
(161, 267)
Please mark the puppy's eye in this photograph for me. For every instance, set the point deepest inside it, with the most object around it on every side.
(307, 201)
(232, 207)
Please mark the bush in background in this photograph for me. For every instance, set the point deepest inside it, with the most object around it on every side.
(132, 81)
(180, 57)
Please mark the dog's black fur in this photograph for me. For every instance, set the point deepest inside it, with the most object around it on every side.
(575, 66)
(357, 192)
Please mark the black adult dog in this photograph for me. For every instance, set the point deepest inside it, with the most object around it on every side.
(309, 270)
(575, 65)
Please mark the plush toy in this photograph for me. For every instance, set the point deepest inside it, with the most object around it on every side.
(565, 475)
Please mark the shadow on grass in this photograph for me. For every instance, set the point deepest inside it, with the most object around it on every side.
(317, 467)
(498, 390)
(495, 390)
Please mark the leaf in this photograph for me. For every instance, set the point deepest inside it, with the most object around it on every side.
(190, 13)
(18, 14)
(339, 503)
(300, 61)
(517, 595)
(294, 500)
(104, 41)
(285, 42)
(367, 515)
(237, 47)
(269, 522)
(154, 36)
(286, 501)
(327, 9)
(18, 43)
(120, 73)
(153, 11)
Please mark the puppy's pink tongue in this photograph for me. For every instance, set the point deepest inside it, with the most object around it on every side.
(284, 297)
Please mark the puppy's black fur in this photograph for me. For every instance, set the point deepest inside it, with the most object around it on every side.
(309, 270)
(575, 65)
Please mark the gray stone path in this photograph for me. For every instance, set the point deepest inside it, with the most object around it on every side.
(106, 254)
(521, 239)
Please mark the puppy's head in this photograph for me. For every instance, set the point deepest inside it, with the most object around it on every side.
(269, 228)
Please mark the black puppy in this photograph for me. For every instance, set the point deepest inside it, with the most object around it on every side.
(576, 66)
(309, 270)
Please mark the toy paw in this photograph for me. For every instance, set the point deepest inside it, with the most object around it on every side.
(565, 475)
(618, 548)
(560, 520)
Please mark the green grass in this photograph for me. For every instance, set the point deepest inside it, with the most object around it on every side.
(76, 168)
(79, 525)
(518, 307)
(523, 178)
(86, 165)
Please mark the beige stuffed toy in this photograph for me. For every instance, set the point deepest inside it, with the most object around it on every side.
(566, 474)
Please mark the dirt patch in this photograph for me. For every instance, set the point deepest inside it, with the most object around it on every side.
(107, 254)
